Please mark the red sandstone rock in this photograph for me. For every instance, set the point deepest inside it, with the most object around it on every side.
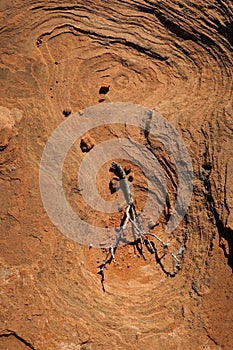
(175, 57)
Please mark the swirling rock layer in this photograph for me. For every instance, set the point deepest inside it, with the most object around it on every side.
(57, 58)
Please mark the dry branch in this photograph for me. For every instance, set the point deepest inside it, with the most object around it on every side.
(139, 235)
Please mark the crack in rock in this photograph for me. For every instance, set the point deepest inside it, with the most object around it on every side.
(10, 333)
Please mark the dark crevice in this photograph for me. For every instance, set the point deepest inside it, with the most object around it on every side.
(112, 187)
(167, 209)
(191, 33)
(56, 8)
(83, 345)
(143, 50)
(212, 339)
(227, 234)
(223, 231)
(111, 40)
(176, 29)
(162, 159)
(165, 164)
(227, 31)
(15, 335)
(225, 192)
(2, 148)
(195, 289)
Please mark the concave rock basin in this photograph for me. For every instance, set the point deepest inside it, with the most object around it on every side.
(59, 58)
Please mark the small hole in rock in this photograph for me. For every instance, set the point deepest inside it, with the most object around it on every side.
(130, 178)
(104, 89)
(86, 145)
(66, 112)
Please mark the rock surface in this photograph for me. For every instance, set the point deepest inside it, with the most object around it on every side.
(171, 56)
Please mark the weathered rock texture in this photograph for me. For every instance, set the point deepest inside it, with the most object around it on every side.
(173, 56)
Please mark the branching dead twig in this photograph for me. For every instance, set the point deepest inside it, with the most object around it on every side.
(139, 235)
